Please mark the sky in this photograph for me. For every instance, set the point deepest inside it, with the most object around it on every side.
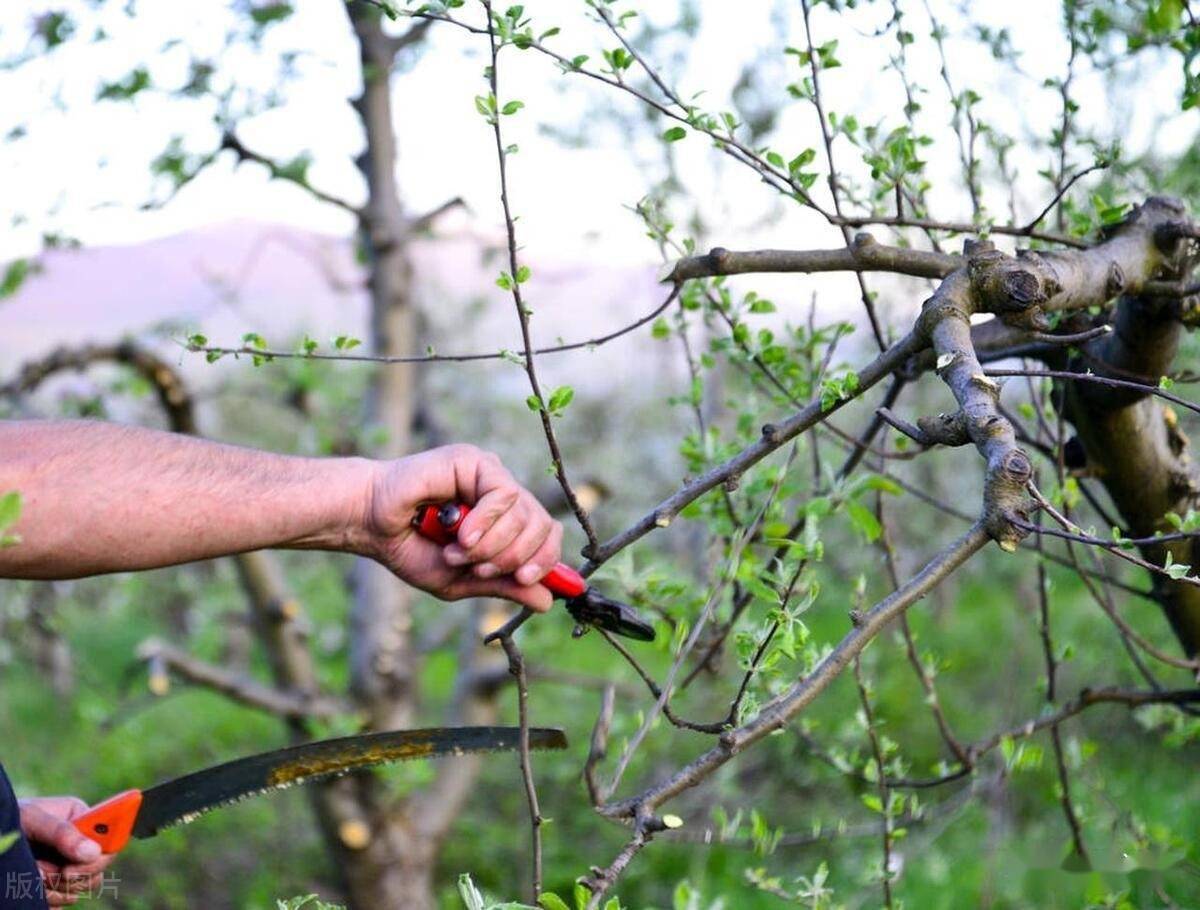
(81, 167)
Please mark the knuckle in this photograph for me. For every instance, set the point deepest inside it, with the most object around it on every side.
(508, 560)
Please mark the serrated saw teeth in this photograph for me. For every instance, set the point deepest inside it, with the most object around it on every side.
(184, 799)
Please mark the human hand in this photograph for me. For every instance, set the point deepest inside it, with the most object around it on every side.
(47, 820)
(505, 545)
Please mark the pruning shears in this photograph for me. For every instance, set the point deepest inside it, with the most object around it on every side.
(440, 523)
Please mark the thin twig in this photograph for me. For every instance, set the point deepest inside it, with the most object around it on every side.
(776, 713)
(1063, 190)
(1101, 380)
(881, 784)
(834, 190)
(516, 665)
(1087, 698)
(1064, 778)
(1073, 532)
(269, 354)
(515, 282)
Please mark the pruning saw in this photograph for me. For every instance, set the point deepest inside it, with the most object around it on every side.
(143, 813)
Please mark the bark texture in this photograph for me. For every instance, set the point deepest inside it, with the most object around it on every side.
(1132, 441)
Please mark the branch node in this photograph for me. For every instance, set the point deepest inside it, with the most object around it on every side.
(1116, 279)
(1015, 289)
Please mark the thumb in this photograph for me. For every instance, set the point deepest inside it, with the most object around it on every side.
(62, 836)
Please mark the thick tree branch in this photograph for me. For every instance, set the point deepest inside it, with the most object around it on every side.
(773, 437)
(862, 254)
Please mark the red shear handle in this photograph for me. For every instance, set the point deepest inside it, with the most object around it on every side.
(441, 523)
(563, 581)
(110, 823)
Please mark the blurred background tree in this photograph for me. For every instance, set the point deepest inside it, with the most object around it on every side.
(991, 749)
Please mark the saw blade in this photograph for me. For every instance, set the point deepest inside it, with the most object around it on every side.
(184, 799)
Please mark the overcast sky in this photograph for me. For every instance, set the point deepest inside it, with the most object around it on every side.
(81, 167)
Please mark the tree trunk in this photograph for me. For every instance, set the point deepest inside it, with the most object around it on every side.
(1133, 442)
(381, 660)
(384, 861)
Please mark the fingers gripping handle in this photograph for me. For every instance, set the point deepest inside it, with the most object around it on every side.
(109, 824)
(441, 523)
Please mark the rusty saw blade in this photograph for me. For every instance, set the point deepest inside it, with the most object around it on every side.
(143, 813)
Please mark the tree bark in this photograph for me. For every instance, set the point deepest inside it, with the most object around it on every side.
(388, 850)
(1132, 441)
(381, 659)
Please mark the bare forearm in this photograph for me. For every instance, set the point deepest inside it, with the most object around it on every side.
(104, 498)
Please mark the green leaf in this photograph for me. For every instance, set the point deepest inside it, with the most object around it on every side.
(346, 342)
(882, 484)
(125, 89)
(559, 399)
(470, 895)
(660, 329)
(805, 157)
(486, 105)
(1175, 570)
(505, 281)
(523, 273)
(14, 276)
(270, 13)
(533, 403)
(548, 900)
(54, 28)
(7, 840)
(197, 341)
(512, 107)
(864, 520)
(295, 170)
(674, 134)
(1008, 748)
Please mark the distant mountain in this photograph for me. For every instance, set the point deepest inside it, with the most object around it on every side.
(280, 281)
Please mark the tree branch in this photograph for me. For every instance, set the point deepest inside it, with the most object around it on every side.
(777, 712)
(231, 142)
(290, 705)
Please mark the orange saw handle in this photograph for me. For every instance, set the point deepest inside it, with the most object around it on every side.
(441, 523)
(110, 824)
